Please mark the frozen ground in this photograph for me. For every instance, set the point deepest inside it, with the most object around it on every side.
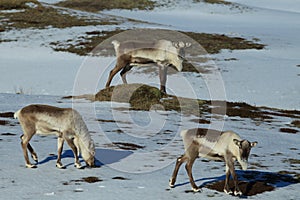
(141, 173)
(268, 77)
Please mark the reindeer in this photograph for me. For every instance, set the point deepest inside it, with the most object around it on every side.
(67, 123)
(162, 53)
(214, 145)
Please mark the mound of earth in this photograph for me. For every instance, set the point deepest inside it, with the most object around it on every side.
(145, 97)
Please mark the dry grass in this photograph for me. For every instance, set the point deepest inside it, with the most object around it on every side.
(40, 17)
(144, 97)
(98, 5)
(16, 4)
(212, 43)
(214, 1)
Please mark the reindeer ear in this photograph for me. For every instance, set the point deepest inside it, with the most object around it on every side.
(181, 44)
(175, 44)
(253, 144)
(188, 44)
(237, 142)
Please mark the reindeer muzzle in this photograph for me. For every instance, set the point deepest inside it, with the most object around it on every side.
(244, 164)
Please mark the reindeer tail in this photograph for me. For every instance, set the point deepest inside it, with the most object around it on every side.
(187, 138)
(116, 44)
(16, 115)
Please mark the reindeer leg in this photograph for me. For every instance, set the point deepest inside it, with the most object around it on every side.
(237, 191)
(226, 187)
(24, 143)
(124, 72)
(163, 78)
(60, 144)
(188, 168)
(70, 142)
(33, 153)
(121, 63)
(179, 162)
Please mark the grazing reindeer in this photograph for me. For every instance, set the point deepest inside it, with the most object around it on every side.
(163, 53)
(67, 123)
(214, 145)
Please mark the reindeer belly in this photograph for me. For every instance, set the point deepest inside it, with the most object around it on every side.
(214, 156)
(45, 128)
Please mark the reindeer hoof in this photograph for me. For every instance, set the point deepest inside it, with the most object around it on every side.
(196, 189)
(31, 166)
(228, 192)
(78, 166)
(60, 166)
(237, 193)
(171, 183)
(35, 158)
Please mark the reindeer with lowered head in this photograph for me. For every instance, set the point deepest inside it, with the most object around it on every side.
(67, 123)
(162, 53)
(214, 145)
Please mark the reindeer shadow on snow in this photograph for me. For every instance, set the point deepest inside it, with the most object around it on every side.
(102, 157)
(250, 182)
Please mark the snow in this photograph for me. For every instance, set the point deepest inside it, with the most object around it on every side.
(272, 72)
(145, 171)
(268, 77)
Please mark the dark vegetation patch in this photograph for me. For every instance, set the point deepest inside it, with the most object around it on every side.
(212, 43)
(98, 5)
(3, 122)
(127, 146)
(247, 188)
(16, 4)
(296, 123)
(112, 121)
(7, 115)
(214, 2)
(95, 43)
(90, 179)
(238, 109)
(200, 121)
(37, 15)
(292, 161)
(282, 113)
(120, 178)
(8, 134)
(256, 182)
(106, 120)
(295, 175)
(257, 165)
(288, 130)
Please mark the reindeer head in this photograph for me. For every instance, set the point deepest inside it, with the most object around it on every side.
(88, 154)
(244, 151)
(180, 53)
(180, 48)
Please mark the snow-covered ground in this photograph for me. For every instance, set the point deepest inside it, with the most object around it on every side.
(135, 174)
(268, 77)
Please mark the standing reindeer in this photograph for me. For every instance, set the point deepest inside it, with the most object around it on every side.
(162, 53)
(225, 146)
(67, 123)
